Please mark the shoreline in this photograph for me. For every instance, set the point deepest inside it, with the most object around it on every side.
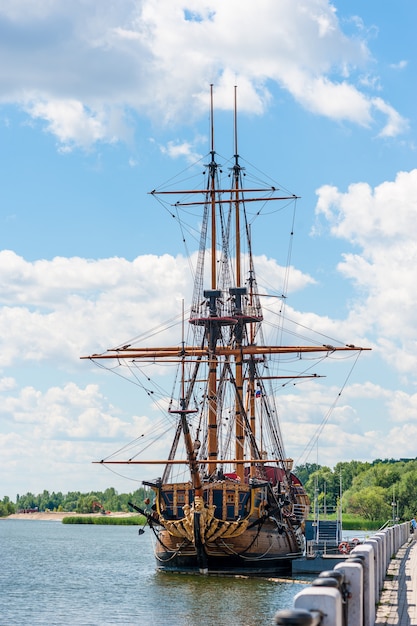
(52, 516)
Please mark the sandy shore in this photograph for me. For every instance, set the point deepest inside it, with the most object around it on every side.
(57, 517)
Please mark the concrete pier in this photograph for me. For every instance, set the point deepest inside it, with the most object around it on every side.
(398, 599)
(375, 586)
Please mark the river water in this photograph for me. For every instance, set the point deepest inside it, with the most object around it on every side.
(63, 574)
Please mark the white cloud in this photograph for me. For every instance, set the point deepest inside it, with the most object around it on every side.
(85, 76)
(331, 424)
(75, 124)
(52, 437)
(66, 413)
(339, 101)
(401, 65)
(381, 222)
(181, 149)
(56, 310)
(403, 407)
(349, 423)
(62, 308)
(88, 69)
(395, 124)
(7, 384)
(366, 216)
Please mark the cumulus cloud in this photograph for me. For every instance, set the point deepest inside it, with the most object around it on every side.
(350, 413)
(67, 412)
(90, 77)
(82, 72)
(381, 223)
(54, 435)
(65, 307)
(56, 310)
(73, 123)
(94, 301)
(401, 65)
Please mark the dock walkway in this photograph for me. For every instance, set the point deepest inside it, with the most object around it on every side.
(398, 601)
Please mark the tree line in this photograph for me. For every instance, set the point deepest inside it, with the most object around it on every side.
(74, 501)
(381, 490)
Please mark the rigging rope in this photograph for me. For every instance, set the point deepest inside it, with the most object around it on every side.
(314, 440)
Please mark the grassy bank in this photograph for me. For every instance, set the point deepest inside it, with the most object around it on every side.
(349, 522)
(354, 522)
(137, 520)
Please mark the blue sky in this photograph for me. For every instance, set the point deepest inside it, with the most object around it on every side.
(102, 102)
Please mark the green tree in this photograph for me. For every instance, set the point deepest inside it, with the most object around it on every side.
(6, 507)
(370, 502)
(303, 472)
(70, 501)
(406, 492)
(28, 501)
(325, 485)
(348, 470)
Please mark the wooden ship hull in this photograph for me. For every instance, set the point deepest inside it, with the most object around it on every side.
(232, 528)
(254, 554)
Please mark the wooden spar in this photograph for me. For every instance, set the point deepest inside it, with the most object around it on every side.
(194, 351)
(186, 462)
(240, 201)
(204, 191)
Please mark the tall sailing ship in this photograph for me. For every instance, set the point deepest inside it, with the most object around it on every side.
(227, 500)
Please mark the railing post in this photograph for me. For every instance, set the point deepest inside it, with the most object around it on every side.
(397, 543)
(382, 568)
(323, 596)
(389, 545)
(352, 571)
(405, 532)
(367, 551)
(374, 543)
(385, 560)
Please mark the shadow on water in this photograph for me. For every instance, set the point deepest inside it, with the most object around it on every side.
(218, 600)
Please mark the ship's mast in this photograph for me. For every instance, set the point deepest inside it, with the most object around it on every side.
(212, 180)
(211, 325)
(240, 437)
(227, 321)
(236, 178)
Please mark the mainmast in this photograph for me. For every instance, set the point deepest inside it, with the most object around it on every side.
(211, 325)
(236, 178)
(238, 293)
(213, 167)
(226, 319)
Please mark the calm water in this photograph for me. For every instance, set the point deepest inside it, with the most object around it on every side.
(53, 573)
